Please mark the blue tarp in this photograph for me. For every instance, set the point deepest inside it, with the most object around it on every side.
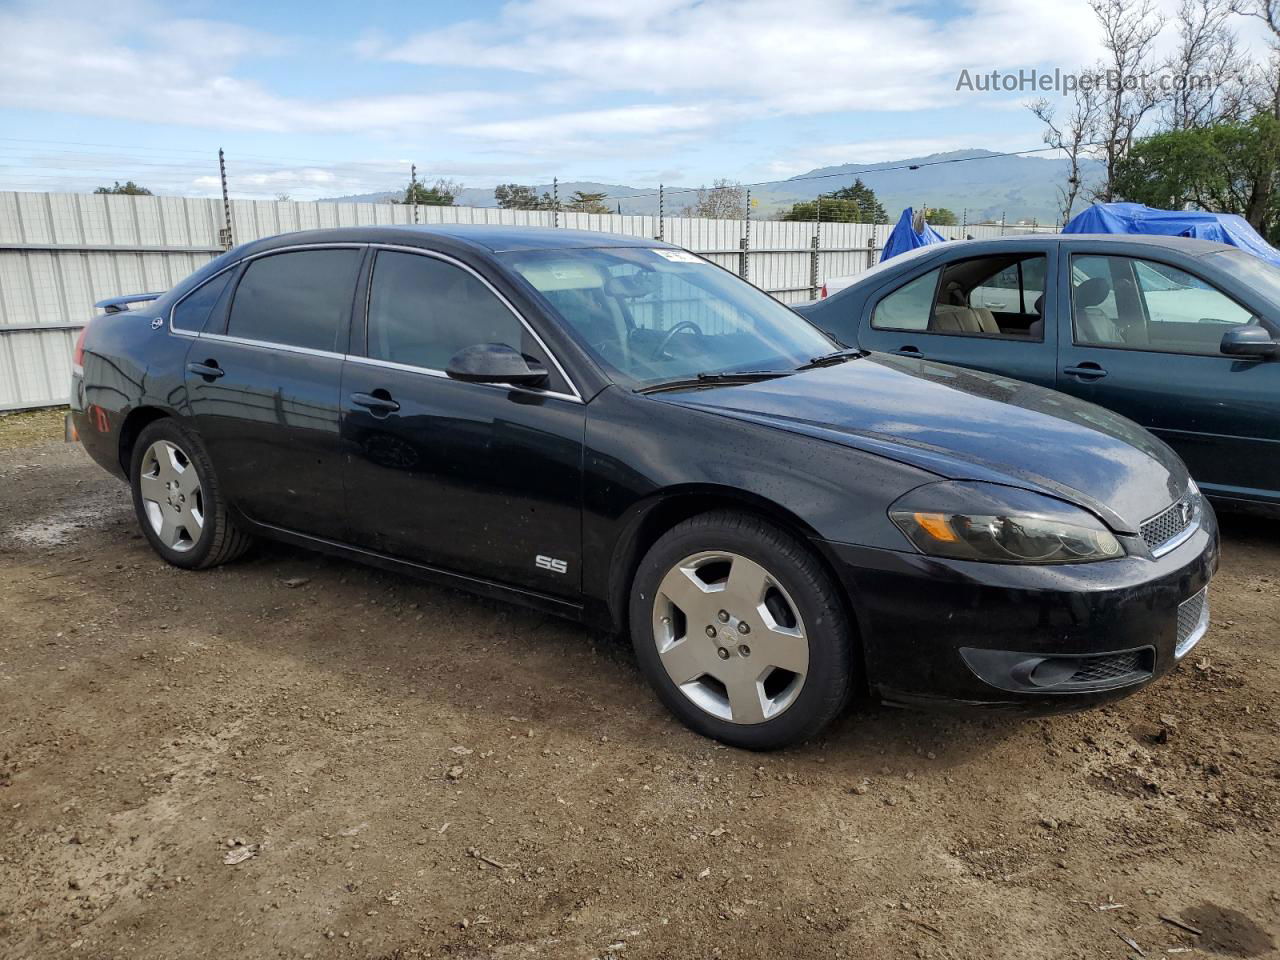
(904, 236)
(1136, 218)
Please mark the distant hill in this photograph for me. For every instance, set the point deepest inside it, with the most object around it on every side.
(985, 184)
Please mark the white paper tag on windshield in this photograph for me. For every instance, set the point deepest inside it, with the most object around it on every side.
(677, 256)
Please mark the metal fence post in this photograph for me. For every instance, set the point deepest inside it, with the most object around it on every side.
(742, 258)
(662, 213)
(871, 248)
(744, 262)
(226, 236)
(813, 269)
(555, 198)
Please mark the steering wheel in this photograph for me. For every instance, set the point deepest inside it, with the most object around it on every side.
(666, 341)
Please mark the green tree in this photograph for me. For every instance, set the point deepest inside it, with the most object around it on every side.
(856, 203)
(439, 194)
(1224, 168)
(129, 187)
(516, 196)
(588, 202)
(941, 217)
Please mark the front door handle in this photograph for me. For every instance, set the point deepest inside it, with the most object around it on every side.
(1086, 371)
(910, 351)
(209, 370)
(379, 403)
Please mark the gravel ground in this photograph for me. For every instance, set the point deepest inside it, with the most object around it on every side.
(295, 756)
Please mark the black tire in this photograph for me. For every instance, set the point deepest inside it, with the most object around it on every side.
(829, 679)
(220, 540)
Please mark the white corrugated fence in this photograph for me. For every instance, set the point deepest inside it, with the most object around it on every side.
(62, 252)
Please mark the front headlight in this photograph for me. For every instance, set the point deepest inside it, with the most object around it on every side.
(995, 524)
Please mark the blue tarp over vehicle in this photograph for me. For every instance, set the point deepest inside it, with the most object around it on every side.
(904, 236)
(1136, 218)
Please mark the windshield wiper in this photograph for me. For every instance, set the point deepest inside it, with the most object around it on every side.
(831, 359)
(714, 379)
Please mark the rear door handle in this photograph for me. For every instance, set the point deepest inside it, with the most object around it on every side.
(910, 351)
(209, 369)
(1086, 371)
(378, 403)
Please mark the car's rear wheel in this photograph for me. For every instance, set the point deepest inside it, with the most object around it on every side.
(740, 631)
(178, 501)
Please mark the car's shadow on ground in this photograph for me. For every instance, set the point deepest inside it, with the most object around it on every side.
(483, 655)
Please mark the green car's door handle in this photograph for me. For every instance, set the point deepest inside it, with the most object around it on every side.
(1086, 371)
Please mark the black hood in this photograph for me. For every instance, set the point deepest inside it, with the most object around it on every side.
(965, 425)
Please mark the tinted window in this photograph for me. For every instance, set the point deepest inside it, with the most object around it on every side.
(301, 299)
(194, 309)
(422, 311)
(1141, 304)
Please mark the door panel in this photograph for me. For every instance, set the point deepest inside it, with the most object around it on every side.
(270, 423)
(263, 386)
(472, 478)
(978, 312)
(1129, 349)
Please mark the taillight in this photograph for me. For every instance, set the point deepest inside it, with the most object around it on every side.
(823, 296)
(77, 355)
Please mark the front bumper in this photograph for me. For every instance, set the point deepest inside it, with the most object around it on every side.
(1064, 636)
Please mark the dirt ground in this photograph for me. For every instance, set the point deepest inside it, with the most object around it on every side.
(405, 771)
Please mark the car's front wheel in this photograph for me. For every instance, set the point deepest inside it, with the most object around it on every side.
(178, 501)
(740, 631)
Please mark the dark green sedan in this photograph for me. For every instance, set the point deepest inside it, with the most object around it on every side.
(1181, 336)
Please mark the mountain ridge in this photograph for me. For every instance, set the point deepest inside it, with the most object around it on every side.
(975, 184)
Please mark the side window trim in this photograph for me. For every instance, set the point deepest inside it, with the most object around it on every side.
(1135, 259)
(363, 340)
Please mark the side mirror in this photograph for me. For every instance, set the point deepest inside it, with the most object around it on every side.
(495, 363)
(1249, 340)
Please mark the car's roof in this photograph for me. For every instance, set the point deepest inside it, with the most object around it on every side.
(1188, 245)
(493, 238)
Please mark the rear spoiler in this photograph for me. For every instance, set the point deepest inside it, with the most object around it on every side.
(121, 304)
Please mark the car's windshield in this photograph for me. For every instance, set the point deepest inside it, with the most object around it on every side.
(657, 314)
(1245, 267)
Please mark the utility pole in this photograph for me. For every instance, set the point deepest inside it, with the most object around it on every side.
(413, 189)
(225, 238)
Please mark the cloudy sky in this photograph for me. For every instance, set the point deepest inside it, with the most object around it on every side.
(322, 100)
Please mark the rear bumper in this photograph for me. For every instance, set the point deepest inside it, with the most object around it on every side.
(1062, 637)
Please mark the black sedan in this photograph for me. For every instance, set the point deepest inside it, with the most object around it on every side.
(612, 429)
(1180, 336)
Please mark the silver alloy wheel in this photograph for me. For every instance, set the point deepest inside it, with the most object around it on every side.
(730, 637)
(171, 495)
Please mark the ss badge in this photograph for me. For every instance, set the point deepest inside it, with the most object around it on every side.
(551, 563)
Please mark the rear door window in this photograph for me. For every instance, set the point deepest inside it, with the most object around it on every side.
(301, 298)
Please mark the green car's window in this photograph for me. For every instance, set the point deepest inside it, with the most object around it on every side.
(1128, 303)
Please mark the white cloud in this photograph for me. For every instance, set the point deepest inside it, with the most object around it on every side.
(805, 56)
(176, 71)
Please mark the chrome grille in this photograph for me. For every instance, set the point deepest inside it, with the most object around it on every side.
(1108, 667)
(1169, 524)
(1193, 621)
